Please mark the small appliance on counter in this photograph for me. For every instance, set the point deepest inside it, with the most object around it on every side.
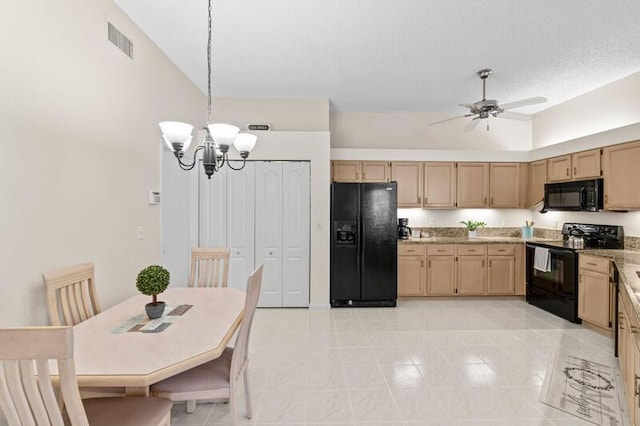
(404, 232)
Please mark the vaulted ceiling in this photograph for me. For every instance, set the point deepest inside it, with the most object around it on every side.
(398, 55)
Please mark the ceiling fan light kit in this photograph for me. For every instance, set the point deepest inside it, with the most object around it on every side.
(486, 108)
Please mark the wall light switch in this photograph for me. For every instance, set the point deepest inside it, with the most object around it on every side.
(140, 232)
(432, 221)
(154, 197)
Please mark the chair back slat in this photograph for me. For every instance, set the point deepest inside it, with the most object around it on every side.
(26, 392)
(71, 294)
(240, 349)
(209, 267)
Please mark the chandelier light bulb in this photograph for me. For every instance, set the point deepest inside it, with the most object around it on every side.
(245, 142)
(223, 135)
(176, 135)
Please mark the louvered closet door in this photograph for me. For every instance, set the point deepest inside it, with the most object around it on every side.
(295, 236)
(268, 230)
(240, 222)
(213, 206)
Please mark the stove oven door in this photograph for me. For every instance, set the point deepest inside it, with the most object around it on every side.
(555, 291)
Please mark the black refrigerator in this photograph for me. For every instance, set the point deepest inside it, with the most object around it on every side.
(364, 259)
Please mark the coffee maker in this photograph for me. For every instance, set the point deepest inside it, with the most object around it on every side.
(404, 232)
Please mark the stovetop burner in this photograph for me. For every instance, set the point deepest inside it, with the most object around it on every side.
(594, 236)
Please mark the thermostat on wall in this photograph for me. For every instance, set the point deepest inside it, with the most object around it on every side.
(256, 126)
(154, 197)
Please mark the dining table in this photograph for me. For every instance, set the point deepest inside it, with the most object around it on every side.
(119, 348)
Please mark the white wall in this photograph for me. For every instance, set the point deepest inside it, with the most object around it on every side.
(411, 130)
(612, 106)
(80, 149)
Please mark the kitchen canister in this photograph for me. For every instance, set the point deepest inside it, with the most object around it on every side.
(527, 232)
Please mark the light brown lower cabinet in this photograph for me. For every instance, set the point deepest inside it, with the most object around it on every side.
(460, 269)
(595, 291)
(629, 355)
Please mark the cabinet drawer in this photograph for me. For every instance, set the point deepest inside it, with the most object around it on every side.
(595, 264)
(472, 250)
(440, 249)
(501, 250)
(410, 250)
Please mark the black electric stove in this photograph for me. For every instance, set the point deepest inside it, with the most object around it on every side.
(556, 289)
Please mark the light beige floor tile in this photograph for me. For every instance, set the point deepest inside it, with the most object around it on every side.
(373, 405)
(327, 407)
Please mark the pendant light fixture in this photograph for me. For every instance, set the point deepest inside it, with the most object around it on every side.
(218, 136)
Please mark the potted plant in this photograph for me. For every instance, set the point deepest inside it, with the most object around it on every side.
(471, 226)
(152, 281)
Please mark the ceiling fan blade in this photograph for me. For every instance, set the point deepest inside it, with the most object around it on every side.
(449, 119)
(472, 124)
(523, 102)
(515, 116)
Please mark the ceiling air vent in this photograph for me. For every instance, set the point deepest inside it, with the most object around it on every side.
(119, 40)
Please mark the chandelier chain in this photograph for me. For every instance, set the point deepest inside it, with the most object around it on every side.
(209, 67)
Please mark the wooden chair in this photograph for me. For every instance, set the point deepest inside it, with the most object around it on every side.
(27, 396)
(209, 267)
(216, 379)
(71, 294)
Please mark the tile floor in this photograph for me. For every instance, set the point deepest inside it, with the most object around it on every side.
(426, 362)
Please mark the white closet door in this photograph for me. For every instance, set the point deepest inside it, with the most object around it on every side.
(240, 223)
(295, 237)
(269, 231)
(213, 205)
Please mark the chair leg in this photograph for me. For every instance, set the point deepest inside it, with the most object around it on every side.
(246, 393)
(191, 406)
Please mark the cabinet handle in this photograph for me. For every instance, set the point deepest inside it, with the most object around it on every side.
(636, 391)
(567, 171)
(357, 174)
(483, 263)
(501, 250)
(425, 199)
(429, 263)
(592, 264)
(579, 278)
(440, 251)
(634, 329)
(489, 264)
(471, 251)
(410, 251)
(422, 263)
(364, 175)
(491, 200)
(419, 200)
(485, 201)
(575, 170)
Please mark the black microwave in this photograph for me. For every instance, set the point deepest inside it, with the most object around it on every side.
(582, 195)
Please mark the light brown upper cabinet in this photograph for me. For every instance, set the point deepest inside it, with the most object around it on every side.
(586, 164)
(621, 167)
(375, 171)
(505, 185)
(473, 185)
(537, 179)
(346, 171)
(360, 171)
(408, 174)
(439, 185)
(559, 168)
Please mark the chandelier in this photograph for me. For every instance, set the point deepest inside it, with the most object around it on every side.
(218, 136)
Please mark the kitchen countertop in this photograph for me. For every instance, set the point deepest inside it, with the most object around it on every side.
(478, 240)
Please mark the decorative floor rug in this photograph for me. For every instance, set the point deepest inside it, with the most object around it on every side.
(585, 389)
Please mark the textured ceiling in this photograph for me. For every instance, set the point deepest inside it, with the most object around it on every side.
(398, 55)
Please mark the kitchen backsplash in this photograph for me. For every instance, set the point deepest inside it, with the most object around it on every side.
(461, 231)
(632, 243)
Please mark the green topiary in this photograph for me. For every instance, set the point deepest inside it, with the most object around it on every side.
(152, 281)
(471, 225)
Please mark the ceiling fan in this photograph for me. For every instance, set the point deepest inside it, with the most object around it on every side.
(490, 108)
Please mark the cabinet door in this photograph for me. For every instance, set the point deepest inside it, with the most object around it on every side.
(439, 184)
(471, 275)
(586, 164)
(375, 171)
(346, 171)
(621, 174)
(559, 168)
(593, 298)
(501, 275)
(473, 184)
(240, 224)
(411, 276)
(295, 234)
(441, 273)
(409, 178)
(538, 177)
(505, 182)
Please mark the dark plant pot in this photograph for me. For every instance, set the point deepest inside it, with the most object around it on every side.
(154, 311)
